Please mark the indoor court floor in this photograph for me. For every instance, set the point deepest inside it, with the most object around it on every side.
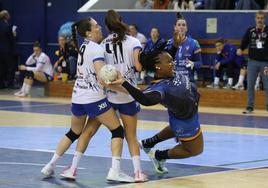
(235, 153)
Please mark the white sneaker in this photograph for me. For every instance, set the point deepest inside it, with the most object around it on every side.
(69, 173)
(146, 150)
(159, 166)
(18, 93)
(140, 177)
(257, 87)
(238, 87)
(213, 86)
(119, 176)
(48, 170)
(22, 94)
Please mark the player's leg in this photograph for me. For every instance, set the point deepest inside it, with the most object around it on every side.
(77, 124)
(89, 131)
(128, 114)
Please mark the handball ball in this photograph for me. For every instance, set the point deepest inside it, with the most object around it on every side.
(108, 73)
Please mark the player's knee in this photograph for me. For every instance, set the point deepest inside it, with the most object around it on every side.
(118, 132)
(29, 74)
(72, 135)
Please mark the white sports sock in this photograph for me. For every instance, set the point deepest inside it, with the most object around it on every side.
(23, 87)
(257, 83)
(54, 159)
(116, 163)
(241, 80)
(27, 88)
(76, 159)
(230, 81)
(136, 163)
(216, 81)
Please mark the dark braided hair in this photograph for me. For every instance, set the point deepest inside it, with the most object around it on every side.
(80, 27)
(115, 24)
(149, 60)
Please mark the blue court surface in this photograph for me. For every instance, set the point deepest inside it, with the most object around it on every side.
(25, 149)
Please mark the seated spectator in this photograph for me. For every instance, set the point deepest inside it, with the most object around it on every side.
(144, 4)
(161, 4)
(38, 67)
(225, 59)
(242, 64)
(67, 58)
(133, 31)
(153, 44)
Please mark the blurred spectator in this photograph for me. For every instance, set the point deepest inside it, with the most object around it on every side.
(37, 66)
(225, 59)
(183, 5)
(144, 4)
(154, 43)
(256, 40)
(161, 4)
(67, 58)
(247, 5)
(7, 51)
(133, 31)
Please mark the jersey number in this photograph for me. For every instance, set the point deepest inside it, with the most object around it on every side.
(81, 52)
(117, 51)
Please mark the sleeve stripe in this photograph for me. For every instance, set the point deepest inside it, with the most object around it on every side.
(98, 59)
(137, 47)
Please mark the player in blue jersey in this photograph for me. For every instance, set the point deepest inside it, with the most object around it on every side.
(184, 49)
(180, 97)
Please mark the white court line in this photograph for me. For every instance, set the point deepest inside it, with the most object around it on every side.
(33, 164)
(26, 106)
(107, 156)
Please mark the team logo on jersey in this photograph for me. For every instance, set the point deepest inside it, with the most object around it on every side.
(102, 106)
(263, 35)
(253, 35)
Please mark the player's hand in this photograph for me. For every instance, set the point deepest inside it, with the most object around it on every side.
(217, 66)
(238, 52)
(177, 38)
(265, 71)
(119, 80)
(22, 67)
(189, 63)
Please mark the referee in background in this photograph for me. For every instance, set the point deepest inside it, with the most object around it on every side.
(256, 40)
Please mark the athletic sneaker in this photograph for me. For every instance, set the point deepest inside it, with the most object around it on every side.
(227, 86)
(22, 94)
(140, 177)
(238, 87)
(119, 176)
(213, 86)
(69, 173)
(18, 93)
(257, 87)
(146, 150)
(159, 165)
(249, 110)
(48, 170)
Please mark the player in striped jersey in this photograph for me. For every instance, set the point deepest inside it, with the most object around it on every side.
(89, 101)
(38, 67)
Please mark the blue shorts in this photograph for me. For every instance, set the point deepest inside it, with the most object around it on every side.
(91, 109)
(186, 129)
(130, 109)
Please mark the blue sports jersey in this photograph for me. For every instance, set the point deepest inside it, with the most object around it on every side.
(228, 55)
(178, 95)
(188, 50)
